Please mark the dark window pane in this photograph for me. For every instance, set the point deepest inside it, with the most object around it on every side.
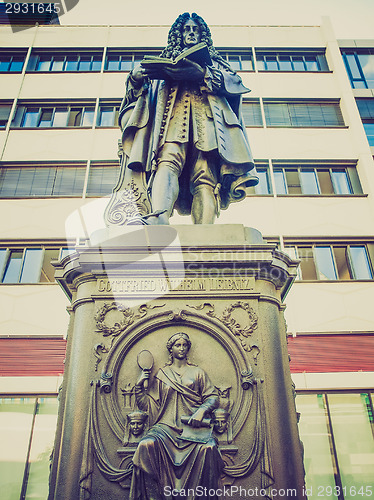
(47, 270)
(96, 63)
(60, 117)
(112, 63)
(44, 63)
(71, 63)
(325, 263)
(69, 181)
(271, 63)
(31, 265)
(353, 66)
(101, 180)
(298, 63)
(341, 259)
(277, 114)
(58, 64)
(252, 114)
(311, 63)
(360, 263)
(106, 116)
(263, 187)
(341, 182)
(88, 117)
(13, 268)
(30, 118)
(5, 63)
(46, 117)
(260, 63)
(17, 64)
(369, 129)
(307, 266)
(293, 182)
(246, 63)
(280, 182)
(366, 108)
(285, 63)
(3, 259)
(367, 66)
(325, 183)
(85, 63)
(309, 183)
(75, 117)
(234, 61)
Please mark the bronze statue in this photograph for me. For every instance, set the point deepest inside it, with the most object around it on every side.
(182, 126)
(179, 451)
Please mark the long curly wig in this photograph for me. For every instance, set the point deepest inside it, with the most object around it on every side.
(175, 39)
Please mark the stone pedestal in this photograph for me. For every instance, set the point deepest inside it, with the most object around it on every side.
(224, 287)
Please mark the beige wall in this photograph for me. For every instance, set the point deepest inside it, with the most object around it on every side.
(311, 307)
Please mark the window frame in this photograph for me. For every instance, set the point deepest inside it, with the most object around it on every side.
(37, 55)
(135, 57)
(350, 171)
(71, 107)
(296, 246)
(362, 79)
(24, 249)
(261, 55)
(12, 54)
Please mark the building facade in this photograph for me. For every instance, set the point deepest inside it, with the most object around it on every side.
(310, 122)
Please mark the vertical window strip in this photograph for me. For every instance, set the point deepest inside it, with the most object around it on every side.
(331, 262)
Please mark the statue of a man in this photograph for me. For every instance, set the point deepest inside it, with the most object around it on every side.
(185, 131)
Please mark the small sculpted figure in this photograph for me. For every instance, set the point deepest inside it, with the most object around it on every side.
(137, 420)
(182, 126)
(220, 420)
(166, 458)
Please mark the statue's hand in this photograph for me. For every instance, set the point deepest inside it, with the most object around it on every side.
(138, 74)
(188, 71)
(197, 417)
(143, 380)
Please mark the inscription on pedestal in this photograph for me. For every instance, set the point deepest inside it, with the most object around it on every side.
(162, 285)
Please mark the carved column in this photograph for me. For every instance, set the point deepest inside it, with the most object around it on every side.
(224, 287)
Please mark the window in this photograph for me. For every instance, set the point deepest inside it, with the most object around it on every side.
(102, 179)
(291, 61)
(360, 67)
(108, 114)
(5, 109)
(337, 434)
(124, 60)
(320, 180)
(366, 110)
(58, 61)
(27, 430)
(251, 110)
(39, 182)
(240, 60)
(54, 116)
(12, 61)
(28, 265)
(264, 185)
(303, 114)
(330, 262)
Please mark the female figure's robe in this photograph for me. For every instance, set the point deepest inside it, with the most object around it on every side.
(163, 461)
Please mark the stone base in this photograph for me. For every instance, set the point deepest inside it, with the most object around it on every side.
(131, 291)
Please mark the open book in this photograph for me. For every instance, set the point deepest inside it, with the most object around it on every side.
(198, 53)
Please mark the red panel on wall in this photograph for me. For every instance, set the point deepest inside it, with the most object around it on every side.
(331, 353)
(309, 353)
(27, 357)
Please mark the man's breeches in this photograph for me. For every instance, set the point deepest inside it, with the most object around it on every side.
(202, 170)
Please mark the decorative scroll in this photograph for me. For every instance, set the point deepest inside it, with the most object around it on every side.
(105, 382)
(243, 332)
(128, 205)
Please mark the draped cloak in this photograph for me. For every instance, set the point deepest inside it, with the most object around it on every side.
(206, 115)
(161, 455)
